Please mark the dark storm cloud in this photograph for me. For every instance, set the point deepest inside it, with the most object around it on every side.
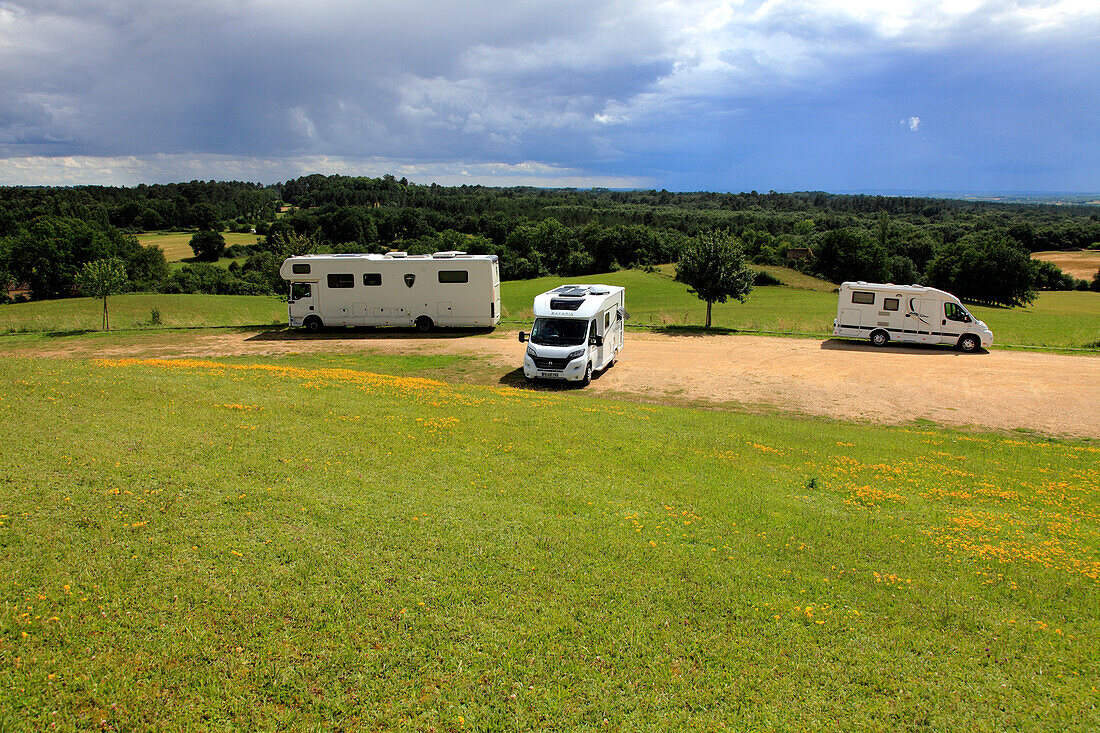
(685, 93)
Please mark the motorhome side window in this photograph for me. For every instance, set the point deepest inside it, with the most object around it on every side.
(890, 304)
(606, 321)
(454, 276)
(300, 269)
(863, 298)
(955, 312)
(341, 280)
(371, 279)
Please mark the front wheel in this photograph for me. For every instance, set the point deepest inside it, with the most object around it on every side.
(313, 324)
(880, 338)
(969, 343)
(587, 380)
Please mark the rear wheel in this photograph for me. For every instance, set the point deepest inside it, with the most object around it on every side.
(969, 343)
(313, 324)
(879, 338)
(423, 324)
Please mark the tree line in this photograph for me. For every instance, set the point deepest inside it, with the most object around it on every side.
(978, 250)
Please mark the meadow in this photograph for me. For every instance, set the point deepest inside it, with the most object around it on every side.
(334, 542)
(177, 245)
(803, 306)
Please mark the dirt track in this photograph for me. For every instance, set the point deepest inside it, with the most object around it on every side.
(1054, 394)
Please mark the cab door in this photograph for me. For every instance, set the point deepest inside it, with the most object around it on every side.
(302, 301)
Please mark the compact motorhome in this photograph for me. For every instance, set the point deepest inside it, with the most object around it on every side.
(578, 329)
(912, 313)
(395, 289)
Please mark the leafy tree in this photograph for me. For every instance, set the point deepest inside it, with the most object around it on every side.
(712, 265)
(208, 245)
(100, 279)
(987, 267)
(204, 216)
(851, 254)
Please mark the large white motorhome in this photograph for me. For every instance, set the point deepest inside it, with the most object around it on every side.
(578, 329)
(912, 313)
(395, 289)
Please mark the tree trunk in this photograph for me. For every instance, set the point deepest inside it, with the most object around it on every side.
(106, 319)
(708, 315)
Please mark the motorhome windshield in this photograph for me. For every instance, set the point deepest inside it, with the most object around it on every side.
(559, 331)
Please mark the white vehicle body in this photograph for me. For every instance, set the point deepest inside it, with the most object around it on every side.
(907, 313)
(442, 289)
(578, 329)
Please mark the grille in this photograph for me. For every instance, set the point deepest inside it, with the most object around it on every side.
(555, 365)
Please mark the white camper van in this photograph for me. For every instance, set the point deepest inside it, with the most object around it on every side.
(395, 289)
(908, 313)
(578, 329)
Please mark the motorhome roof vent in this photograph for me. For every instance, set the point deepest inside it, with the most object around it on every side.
(599, 291)
(447, 254)
(397, 255)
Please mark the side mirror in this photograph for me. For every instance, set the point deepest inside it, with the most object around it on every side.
(522, 337)
(968, 319)
(596, 341)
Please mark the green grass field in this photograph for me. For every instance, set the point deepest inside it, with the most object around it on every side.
(177, 247)
(806, 307)
(308, 543)
(134, 311)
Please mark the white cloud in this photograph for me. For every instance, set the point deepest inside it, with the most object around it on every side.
(913, 123)
(76, 170)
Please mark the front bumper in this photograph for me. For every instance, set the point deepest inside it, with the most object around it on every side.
(573, 371)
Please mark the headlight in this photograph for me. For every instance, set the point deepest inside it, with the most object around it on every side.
(575, 355)
(531, 352)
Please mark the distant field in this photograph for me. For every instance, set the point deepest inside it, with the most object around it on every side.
(1083, 265)
(176, 244)
(133, 311)
(306, 543)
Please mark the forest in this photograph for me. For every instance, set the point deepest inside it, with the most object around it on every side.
(977, 250)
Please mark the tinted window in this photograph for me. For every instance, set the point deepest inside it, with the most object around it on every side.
(341, 280)
(300, 269)
(890, 304)
(863, 298)
(372, 278)
(454, 276)
(956, 312)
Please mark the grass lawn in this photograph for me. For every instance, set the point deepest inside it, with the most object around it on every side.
(807, 307)
(309, 543)
(176, 245)
(134, 311)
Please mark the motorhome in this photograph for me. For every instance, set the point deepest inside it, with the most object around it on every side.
(394, 289)
(908, 313)
(578, 330)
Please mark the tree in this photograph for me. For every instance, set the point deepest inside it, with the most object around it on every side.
(100, 279)
(713, 267)
(987, 267)
(208, 245)
(851, 254)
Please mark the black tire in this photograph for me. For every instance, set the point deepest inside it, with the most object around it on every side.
(969, 343)
(879, 338)
(424, 324)
(587, 380)
(313, 324)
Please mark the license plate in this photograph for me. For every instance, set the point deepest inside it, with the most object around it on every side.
(551, 375)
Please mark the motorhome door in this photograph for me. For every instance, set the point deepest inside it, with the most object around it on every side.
(924, 316)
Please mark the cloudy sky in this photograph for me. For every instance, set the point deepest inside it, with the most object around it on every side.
(835, 95)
